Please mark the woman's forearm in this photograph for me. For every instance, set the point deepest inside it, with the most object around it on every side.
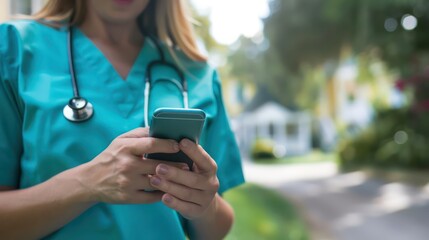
(216, 224)
(117, 175)
(40, 210)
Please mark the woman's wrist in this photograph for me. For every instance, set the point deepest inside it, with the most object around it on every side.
(216, 221)
(74, 183)
(210, 214)
(212, 209)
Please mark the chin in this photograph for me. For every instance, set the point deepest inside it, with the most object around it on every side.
(118, 11)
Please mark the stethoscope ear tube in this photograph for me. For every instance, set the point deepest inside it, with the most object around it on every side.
(181, 85)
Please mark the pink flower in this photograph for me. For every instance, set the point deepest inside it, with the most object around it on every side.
(400, 85)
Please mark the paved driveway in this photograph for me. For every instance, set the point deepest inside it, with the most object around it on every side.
(348, 206)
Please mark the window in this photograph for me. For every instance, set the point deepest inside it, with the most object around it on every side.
(20, 7)
(292, 130)
(26, 7)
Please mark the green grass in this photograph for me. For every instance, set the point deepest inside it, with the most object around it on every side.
(313, 157)
(261, 213)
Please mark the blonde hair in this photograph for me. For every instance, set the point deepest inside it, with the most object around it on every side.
(168, 20)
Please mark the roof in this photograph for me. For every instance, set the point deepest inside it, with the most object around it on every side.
(275, 113)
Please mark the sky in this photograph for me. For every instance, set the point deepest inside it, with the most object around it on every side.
(232, 18)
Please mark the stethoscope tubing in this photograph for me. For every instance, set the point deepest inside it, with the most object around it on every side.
(71, 63)
(76, 111)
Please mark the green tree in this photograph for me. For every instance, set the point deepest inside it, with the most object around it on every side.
(399, 48)
(306, 35)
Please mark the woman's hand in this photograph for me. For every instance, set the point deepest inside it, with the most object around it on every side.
(192, 194)
(119, 174)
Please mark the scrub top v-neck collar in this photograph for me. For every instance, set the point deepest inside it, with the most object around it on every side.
(126, 93)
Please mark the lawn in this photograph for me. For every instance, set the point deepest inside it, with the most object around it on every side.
(262, 213)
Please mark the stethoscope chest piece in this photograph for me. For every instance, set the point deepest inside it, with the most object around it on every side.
(78, 110)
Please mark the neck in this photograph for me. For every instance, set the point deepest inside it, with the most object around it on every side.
(123, 33)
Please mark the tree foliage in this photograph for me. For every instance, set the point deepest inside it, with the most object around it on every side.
(303, 35)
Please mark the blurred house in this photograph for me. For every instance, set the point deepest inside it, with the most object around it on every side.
(290, 131)
(8, 8)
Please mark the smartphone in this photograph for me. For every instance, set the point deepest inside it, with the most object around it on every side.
(176, 124)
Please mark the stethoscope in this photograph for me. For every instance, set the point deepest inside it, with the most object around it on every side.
(78, 109)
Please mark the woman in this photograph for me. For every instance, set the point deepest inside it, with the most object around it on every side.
(65, 180)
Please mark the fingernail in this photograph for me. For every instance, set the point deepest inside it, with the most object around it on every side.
(155, 181)
(168, 198)
(162, 169)
(185, 143)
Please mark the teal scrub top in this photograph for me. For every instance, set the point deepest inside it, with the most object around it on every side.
(37, 142)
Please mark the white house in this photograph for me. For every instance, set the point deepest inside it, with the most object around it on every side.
(290, 131)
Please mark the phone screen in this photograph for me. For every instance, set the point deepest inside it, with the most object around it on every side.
(176, 124)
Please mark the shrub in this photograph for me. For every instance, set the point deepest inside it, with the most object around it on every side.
(262, 149)
(397, 138)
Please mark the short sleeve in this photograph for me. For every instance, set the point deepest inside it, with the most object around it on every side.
(219, 141)
(10, 116)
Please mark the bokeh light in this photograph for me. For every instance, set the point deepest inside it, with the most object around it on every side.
(390, 24)
(409, 22)
(401, 137)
